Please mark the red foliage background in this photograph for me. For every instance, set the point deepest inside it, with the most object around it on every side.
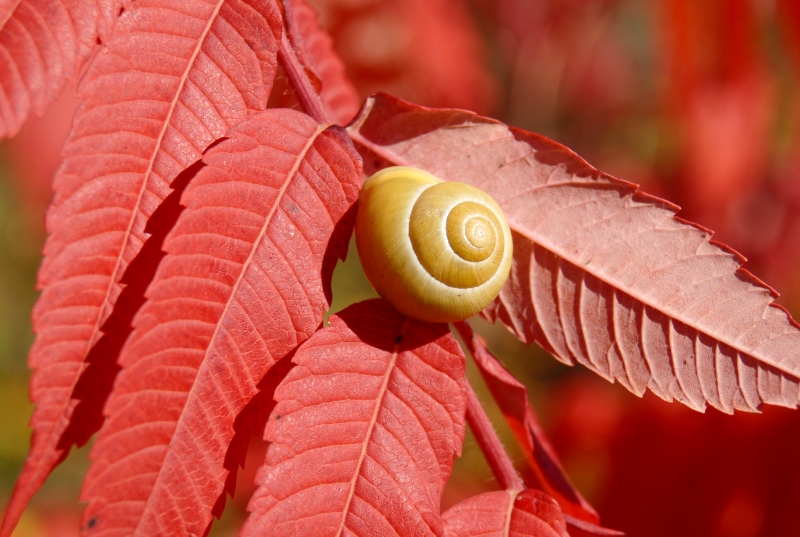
(696, 101)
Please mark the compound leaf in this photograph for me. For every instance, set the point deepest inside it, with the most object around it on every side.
(245, 280)
(173, 79)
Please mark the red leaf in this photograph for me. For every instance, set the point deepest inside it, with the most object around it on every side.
(512, 398)
(529, 513)
(43, 43)
(170, 82)
(246, 279)
(604, 274)
(315, 48)
(365, 430)
(110, 10)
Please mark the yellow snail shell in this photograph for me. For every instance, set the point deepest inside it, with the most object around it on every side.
(436, 251)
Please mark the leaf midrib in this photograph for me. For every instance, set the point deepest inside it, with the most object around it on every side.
(234, 290)
(399, 161)
(512, 497)
(368, 436)
(53, 437)
(146, 179)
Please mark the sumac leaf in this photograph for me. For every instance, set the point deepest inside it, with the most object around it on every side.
(604, 274)
(530, 513)
(43, 43)
(173, 78)
(315, 50)
(365, 430)
(245, 280)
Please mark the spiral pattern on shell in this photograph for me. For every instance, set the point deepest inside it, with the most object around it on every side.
(437, 251)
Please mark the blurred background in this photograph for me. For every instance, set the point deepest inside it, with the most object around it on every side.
(698, 102)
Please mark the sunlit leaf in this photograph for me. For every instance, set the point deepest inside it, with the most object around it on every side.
(173, 79)
(246, 279)
(603, 274)
(365, 430)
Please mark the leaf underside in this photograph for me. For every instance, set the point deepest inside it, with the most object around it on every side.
(173, 79)
(365, 430)
(603, 274)
(530, 513)
(241, 286)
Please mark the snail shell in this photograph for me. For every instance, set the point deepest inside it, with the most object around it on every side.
(437, 251)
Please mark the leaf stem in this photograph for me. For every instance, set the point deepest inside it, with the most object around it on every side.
(488, 441)
(306, 93)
